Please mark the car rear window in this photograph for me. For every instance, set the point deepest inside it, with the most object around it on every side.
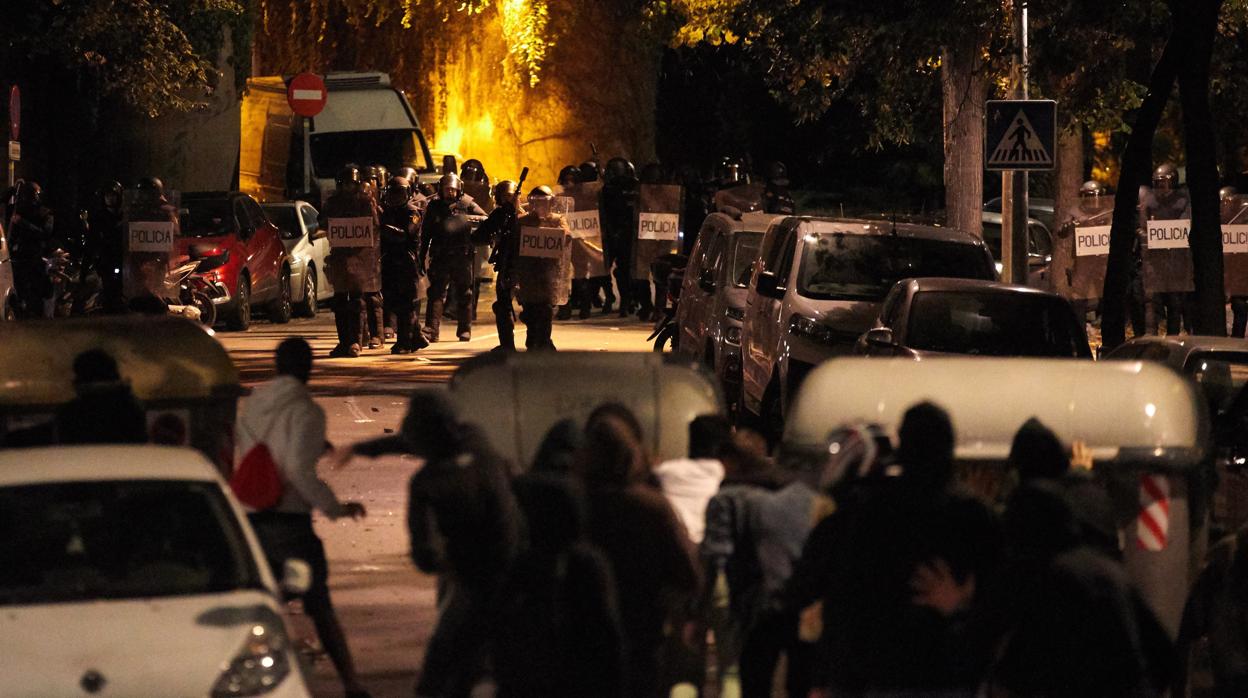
(119, 539)
(848, 266)
(206, 218)
(994, 324)
(286, 221)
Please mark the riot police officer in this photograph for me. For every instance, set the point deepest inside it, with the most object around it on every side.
(446, 242)
(501, 233)
(144, 273)
(401, 276)
(473, 171)
(541, 283)
(589, 171)
(30, 240)
(374, 301)
(352, 270)
(619, 221)
(1167, 201)
(569, 178)
(776, 196)
(106, 234)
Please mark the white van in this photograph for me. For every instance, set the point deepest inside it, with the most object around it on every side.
(366, 121)
(1138, 418)
(517, 397)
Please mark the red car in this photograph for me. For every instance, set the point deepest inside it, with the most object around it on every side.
(256, 271)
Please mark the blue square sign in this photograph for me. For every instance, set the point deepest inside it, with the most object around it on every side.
(1020, 134)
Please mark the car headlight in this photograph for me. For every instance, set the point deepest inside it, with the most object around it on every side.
(815, 331)
(735, 313)
(258, 667)
(733, 335)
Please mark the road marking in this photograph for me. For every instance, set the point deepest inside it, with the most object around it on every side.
(357, 413)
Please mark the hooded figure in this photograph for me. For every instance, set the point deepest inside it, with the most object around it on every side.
(105, 410)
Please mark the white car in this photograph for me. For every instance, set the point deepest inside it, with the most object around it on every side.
(8, 297)
(307, 246)
(132, 571)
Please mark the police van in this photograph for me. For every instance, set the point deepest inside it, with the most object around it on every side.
(366, 121)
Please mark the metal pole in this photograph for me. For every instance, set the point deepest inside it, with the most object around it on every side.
(1014, 183)
(307, 156)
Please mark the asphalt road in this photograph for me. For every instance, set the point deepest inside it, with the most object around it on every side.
(386, 606)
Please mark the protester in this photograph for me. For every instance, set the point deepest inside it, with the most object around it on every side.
(464, 527)
(642, 537)
(282, 416)
(104, 409)
(689, 483)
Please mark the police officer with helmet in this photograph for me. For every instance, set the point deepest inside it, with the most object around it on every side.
(541, 283)
(401, 275)
(107, 234)
(446, 242)
(501, 233)
(30, 240)
(351, 270)
(1167, 201)
(776, 196)
(618, 212)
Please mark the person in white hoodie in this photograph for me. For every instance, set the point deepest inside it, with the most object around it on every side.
(282, 415)
(689, 483)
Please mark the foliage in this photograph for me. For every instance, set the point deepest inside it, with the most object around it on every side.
(154, 55)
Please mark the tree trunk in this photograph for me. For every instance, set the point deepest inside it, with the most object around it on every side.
(1137, 163)
(1200, 19)
(1067, 180)
(964, 89)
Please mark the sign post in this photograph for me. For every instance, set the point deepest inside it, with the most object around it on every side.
(306, 96)
(15, 131)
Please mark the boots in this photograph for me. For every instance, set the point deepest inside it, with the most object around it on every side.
(641, 294)
(418, 340)
(403, 332)
(347, 317)
(608, 297)
(506, 326)
(433, 319)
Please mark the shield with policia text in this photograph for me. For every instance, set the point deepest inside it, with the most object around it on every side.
(658, 225)
(1087, 235)
(585, 226)
(355, 254)
(1166, 222)
(153, 228)
(1235, 245)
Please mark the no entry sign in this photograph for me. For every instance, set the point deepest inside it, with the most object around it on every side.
(306, 94)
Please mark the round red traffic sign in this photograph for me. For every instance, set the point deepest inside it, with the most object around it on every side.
(15, 113)
(306, 94)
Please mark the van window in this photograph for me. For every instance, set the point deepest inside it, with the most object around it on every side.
(330, 151)
(847, 266)
(715, 254)
(994, 324)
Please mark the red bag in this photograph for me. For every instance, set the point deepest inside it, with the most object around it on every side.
(256, 481)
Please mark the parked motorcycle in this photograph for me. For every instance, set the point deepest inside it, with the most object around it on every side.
(669, 272)
(189, 294)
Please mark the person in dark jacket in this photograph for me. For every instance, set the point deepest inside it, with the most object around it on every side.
(618, 212)
(30, 240)
(400, 272)
(105, 410)
(108, 235)
(499, 231)
(558, 629)
(446, 241)
(633, 524)
(464, 527)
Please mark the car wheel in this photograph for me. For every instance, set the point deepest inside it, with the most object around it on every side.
(279, 309)
(240, 317)
(309, 306)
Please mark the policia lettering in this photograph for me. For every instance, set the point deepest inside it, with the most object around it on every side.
(351, 232)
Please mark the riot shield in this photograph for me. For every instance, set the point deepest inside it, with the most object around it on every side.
(586, 229)
(1235, 245)
(153, 226)
(1166, 220)
(658, 225)
(480, 193)
(355, 251)
(1086, 234)
(543, 264)
(743, 197)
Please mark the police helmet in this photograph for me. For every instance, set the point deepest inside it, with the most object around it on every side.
(112, 189)
(28, 197)
(1091, 188)
(378, 174)
(349, 174)
(569, 175)
(620, 171)
(505, 189)
(1166, 176)
(1228, 193)
(398, 191)
(151, 185)
(540, 200)
(541, 192)
(450, 181)
(728, 173)
(778, 173)
(589, 171)
(408, 173)
(473, 171)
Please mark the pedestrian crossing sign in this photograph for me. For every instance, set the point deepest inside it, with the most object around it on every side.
(1020, 134)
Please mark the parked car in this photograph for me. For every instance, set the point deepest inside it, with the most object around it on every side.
(1039, 247)
(1040, 209)
(923, 317)
(817, 287)
(712, 298)
(307, 246)
(139, 576)
(8, 297)
(257, 270)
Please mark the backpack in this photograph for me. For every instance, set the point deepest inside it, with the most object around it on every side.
(256, 481)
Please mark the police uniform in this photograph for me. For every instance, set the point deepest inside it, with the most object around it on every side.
(541, 283)
(446, 242)
(401, 275)
(353, 271)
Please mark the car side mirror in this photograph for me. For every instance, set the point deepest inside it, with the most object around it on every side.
(318, 234)
(706, 280)
(296, 577)
(881, 338)
(769, 285)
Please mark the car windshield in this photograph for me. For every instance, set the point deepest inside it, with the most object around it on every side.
(838, 266)
(206, 218)
(1220, 374)
(745, 248)
(1037, 240)
(286, 220)
(330, 151)
(994, 324)
(119, 539)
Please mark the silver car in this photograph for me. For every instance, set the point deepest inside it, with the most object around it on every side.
(307, 246)
(712, 297)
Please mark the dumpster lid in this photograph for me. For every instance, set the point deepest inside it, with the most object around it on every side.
(1126, 411)
(163, 359)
